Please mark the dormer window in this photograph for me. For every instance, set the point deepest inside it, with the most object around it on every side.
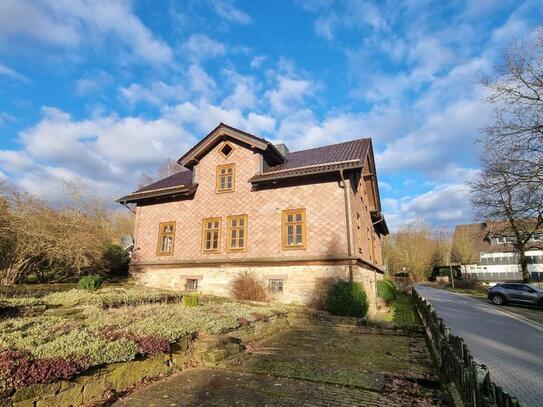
(226, 178)
(226, 149)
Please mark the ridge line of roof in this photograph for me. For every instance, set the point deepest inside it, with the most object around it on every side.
(329, 145)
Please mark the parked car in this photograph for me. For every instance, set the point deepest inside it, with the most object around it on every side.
(515, 292)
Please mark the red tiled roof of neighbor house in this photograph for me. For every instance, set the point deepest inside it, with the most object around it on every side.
(478, 236)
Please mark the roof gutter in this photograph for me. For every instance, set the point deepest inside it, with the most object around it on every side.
(347, 221)
(273, 177)
(127, 207)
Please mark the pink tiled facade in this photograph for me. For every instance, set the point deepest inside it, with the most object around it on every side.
(324, 204)
(325, 256)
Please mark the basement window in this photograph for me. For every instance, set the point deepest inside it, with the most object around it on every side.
(275, 286)
(191, 285)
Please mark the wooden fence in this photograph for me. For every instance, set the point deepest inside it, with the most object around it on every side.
(457, 366)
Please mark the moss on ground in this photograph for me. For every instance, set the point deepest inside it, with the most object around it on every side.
(325, 355)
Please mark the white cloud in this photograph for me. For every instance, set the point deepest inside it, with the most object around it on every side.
(93, 83)
(200, 82)
(157, 93)
(243, 93)
(104, 150)
(288, 94)
(347, 15)
(443, 139)
(200, 46)
(72, 23)
(229, 12)
(444, 205)
(257, 61)
(7, 71)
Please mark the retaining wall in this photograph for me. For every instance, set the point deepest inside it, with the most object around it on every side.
(116, 377)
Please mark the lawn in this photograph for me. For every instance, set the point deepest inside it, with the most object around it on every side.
(480, 293)
(78, 329)
(402, 311)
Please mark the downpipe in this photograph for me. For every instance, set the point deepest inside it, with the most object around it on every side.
(348, 223)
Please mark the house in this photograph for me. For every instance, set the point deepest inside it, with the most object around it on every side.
(485, 251)
(295, 219)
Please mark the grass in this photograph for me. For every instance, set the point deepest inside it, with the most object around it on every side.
(402, 311)
(115, 324)
(109, 297)
(480, 293)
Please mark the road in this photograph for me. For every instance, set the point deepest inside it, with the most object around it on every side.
(510, 346)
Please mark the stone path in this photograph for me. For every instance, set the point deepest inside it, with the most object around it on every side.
(309, 366)
(512, 348)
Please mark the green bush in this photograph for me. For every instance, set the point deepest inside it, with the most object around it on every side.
(190, 300)
(116, 260)
(91, 282)
(347, 299)
(386, 290)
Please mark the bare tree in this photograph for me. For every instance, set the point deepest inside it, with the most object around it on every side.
(499, 195)
(36, 237)
(516, 93)
(167, 168)
(463, 247)
(416, 248)
(510, 186)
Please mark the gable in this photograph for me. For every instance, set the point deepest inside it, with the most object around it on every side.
(223, 133)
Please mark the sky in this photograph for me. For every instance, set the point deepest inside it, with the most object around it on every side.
(99, 92)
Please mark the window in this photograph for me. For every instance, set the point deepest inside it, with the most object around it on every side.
(191, 285)
(226, 177)
(211, 235)
(236, 233)
(166, 238)
(226, 149)
(294, 225)
(275, 286)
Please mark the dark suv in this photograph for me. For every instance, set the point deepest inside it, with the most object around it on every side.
(515, 292)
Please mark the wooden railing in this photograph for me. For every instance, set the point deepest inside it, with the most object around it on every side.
(456, 364)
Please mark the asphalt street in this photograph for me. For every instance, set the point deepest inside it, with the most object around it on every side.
(509, 345)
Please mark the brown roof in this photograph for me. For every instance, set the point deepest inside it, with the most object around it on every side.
(347, 155)
(178, 183)
(350, 154)
(223, 131)
(180, 178)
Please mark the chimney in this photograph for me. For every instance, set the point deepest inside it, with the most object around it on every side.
(282, 148)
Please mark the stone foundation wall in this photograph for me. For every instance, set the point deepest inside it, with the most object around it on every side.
(302, 284)
(95, 382)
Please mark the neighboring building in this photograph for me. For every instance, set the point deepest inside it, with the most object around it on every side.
(485, 251)
(244, 204)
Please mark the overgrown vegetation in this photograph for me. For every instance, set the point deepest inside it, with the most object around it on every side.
(247, 286)
(387, 290)
(346, 298)
(109, 297)
(190, 300)
(44, 348)
(42, 243)
(91, 282)
(415, 249)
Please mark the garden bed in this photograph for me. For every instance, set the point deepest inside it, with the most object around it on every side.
(112, 325)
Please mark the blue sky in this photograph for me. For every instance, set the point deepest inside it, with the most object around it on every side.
(98, 92)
